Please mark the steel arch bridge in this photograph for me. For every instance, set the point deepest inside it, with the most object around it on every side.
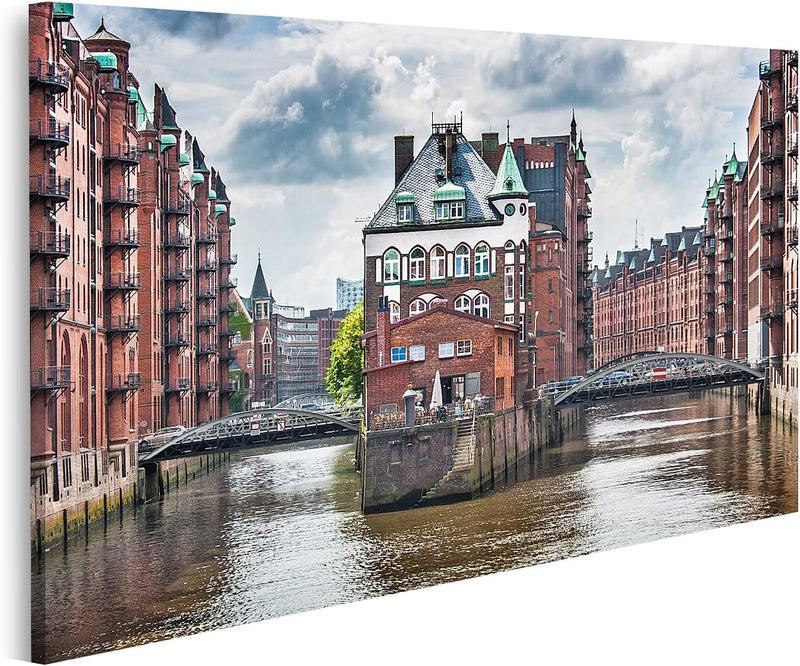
(649, 374)
(253, 429)
(319, 398)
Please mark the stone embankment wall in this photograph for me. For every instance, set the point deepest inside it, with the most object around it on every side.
(400, 466)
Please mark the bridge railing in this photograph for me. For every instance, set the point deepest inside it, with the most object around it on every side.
(422, 416)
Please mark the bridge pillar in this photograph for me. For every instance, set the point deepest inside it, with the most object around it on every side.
(763, 399)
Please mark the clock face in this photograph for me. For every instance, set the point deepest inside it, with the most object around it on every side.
(522, 209)
(509, 209)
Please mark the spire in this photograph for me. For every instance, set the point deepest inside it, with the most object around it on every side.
(259, 290)
(573, 129)
(508, 131)
(606, 258)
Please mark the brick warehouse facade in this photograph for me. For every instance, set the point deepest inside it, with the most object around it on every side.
(462, 226)
(130, 273)
(728, 287)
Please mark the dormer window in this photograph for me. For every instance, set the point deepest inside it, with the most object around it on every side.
(405, 207)
(449, 202)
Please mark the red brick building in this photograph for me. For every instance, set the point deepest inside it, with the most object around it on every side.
(130, 273)
(472, 354)
(730, 291)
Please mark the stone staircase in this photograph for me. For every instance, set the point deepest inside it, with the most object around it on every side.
(457, 479)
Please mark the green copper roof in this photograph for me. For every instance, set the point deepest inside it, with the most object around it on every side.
(509, 180)
(705, 200)
(682, 246)
(580, 157)
(197, 178)
(664, 242)
(652, 256)
(449, 192)
(713, 193)
(697, 240)
(232, 223)
(608, 272)
(212, 194)
(133, 95)
(219, 209)
(63, 11)
(167, 141)
(107, 60)
(732, 165)
(595, 276)
(183, 159)
(633, 263)
(405, 197)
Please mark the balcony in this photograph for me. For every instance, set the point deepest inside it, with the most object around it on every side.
(207, 387)
(122, 152)
(206, 321)
(791, 192)
(586, 239)
(207, 265)
(791, 236)
(772, 226)
(770, 120)
(124, 196)
(727, 278)
(771, 154)
(709, 290)
(230, 307)
(55, 77)
(773, 190)
(208, 238)
(771, 263)
(51, 299)
(177, 240)
(177, 307)
(178, 275)
(122, 238)
(791, 144)
(225, 333)
(791, 57)
(725, 257)
(50, 131)
(207, 350)
(709, 251)
(229, 261)
(791, 299)
(178, 340)
(709, 270)
(709, 308)
(181, 208)
(206, 294)
(50, 243)
(124, 323)
(130, 381)
(50, 378)
(227, 355)
(178, 385)
(771, 312)
(584, 210)
(125, 282)
(711, 333)
(229, 387)
(55, 188)
(791, 101)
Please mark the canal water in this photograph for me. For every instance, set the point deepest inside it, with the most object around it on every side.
(279, 531)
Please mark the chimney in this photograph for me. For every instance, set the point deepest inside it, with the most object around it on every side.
(403, 155)
(490, 150)
(382, 330)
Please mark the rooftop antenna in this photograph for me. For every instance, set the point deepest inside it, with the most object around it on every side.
(636, 235)
(508, 131)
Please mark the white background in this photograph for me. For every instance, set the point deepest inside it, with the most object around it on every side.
(724, 597)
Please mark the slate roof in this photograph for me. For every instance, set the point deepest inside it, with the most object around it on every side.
(219, 188)
(198, 158)
(259, 289)
(168, 119)
(475, 177)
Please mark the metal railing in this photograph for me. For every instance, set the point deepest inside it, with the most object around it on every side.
(122, 237)
(51, 377)
(125, 281)
(208, 237)
(56, 75)
(773, 311)
(51, 243)
(177, 307)
(122, 152)
(178, 340)
(51, 299)
(179, 384)
(422, 416)
(124, 196)
(120, 323)
(177, 240)
(130, 381)
(50, 186)
(181, 207)
(49, 129)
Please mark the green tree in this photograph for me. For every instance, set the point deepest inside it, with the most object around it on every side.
(345, 379)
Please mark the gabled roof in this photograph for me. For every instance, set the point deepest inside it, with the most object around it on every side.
(420, 179)
(198, 158)
(441, 309)
(509, 180)
(168, 117)
(219, 188)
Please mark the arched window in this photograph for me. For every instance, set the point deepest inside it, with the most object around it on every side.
(417, 264)
(463, 304)
(482, 259)
(391, 266)
(416, 307)
(394, 311)
(462, 261)
(437, 263)
(482, 305)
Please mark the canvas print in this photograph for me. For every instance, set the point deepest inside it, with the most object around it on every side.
(322, 311)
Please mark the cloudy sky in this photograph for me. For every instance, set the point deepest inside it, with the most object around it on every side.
(299, 116)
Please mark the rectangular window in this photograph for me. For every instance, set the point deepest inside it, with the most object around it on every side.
(417, 353)
(550, 286)
(456, 210)
(511, 346)
(499, 346)
(399, 354)
(404, 213)
(442, 211)
(509, 283)
(521, 282)
(446, 350)
(499, 387)
(464, 348)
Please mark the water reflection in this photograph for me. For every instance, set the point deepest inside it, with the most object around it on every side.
(280, 531)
